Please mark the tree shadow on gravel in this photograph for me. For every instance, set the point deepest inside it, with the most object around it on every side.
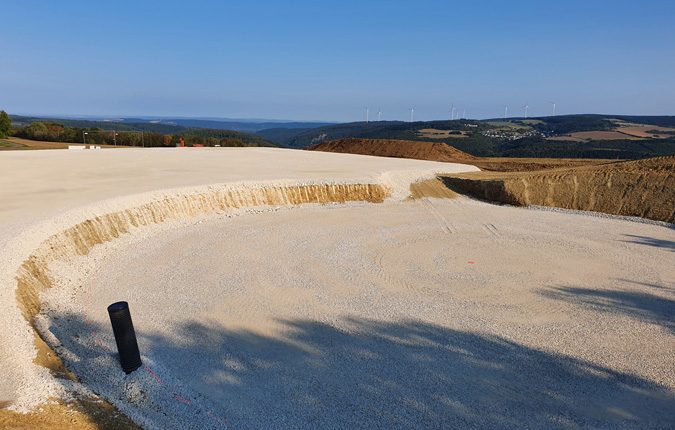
(646, 307)
(651, 241)
(370, 374)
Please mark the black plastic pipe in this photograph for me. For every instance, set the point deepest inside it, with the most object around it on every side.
(125, 336)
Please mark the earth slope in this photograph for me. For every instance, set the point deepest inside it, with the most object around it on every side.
(643, 188)
(434, 151)
(439, 151)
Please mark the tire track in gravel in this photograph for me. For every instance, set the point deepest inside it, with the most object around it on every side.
(446, 225)
(380, 268)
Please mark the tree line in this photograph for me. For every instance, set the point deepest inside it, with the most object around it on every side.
(48, 131)
(5, 125)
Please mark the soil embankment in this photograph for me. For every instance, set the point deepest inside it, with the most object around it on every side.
(439, 151)
(434, 151)
(643, 188)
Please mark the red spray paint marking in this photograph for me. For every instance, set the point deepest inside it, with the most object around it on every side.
(471, 262)
(146, 368)
(177, 397)
(215, 417)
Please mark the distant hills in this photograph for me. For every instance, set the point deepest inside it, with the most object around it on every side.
(243, 125)
(564, 136)
(74, 129)
(217, 128)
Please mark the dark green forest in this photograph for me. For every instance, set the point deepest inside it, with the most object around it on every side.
(133, 134)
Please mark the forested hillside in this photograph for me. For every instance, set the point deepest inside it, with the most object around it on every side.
(568, 136)
(132, 134)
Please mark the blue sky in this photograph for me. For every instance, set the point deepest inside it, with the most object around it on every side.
(314, 60)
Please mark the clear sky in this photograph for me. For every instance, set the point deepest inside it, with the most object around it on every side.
(318, 60)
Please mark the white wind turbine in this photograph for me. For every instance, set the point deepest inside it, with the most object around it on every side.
(367, 111)
(464, 114)
(506, 110)
(553, 103)
(453, 112)
(412, 113)
(526, 108)
(379, 114)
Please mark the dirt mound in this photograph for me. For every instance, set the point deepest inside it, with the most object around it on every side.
(433, 151)
(439, 151)
(643, 188)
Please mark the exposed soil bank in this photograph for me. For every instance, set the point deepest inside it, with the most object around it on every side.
(439, 151)
(644, 188)
(33, 276)
(433, 151)
(81, 414)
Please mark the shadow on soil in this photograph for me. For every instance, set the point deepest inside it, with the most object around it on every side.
(371, 374)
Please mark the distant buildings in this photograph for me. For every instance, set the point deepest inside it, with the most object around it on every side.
(512, 135)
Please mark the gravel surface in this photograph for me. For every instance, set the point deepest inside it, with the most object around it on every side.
(49, 192)
(421, 314)
(426, 314)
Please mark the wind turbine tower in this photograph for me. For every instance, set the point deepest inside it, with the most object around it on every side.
(367, 111)
(464, 114)
(526, 108)
(379, 114)
(412, 113)
(506, 110)
(453, 112)
(553, 103)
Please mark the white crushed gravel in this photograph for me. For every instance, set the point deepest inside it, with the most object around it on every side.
(424, 314)
(428, 314)
(50, 191)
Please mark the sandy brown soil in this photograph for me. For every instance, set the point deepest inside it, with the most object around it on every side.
(643, 188)
(438, 151)
(434, 188)
(83, 414)
(433, 151)
(532, 164)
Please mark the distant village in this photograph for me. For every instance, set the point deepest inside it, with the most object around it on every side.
(513, 135)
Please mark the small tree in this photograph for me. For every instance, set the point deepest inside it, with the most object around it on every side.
(5, 124)
(35, 131)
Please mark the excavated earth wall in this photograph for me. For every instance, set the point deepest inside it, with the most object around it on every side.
(33, 275)
(643, 188)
